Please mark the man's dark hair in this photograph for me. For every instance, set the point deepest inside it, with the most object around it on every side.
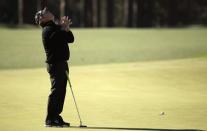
(37, 17)
(39, 14)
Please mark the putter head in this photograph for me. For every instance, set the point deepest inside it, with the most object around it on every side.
(82, 126)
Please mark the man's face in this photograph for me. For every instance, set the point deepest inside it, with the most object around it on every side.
(46, 16)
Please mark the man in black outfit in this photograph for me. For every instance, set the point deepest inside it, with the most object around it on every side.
(55, 39)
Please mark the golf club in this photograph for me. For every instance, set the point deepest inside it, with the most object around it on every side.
(81, 125)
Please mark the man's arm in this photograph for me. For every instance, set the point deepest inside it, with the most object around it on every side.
(69, 36)
(61, 36)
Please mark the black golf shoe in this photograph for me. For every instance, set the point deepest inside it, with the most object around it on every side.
(57, 123)
(64, 124)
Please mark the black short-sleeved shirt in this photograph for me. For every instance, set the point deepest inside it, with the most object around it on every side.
(55, 42)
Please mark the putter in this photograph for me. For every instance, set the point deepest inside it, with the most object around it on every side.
(81, 124)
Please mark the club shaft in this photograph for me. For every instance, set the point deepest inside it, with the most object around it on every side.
(67, 74)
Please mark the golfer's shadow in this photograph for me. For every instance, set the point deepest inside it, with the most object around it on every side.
(127, 128)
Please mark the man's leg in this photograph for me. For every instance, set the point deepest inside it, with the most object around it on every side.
(58, 90)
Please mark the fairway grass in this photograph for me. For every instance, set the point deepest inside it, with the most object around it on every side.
(112, 95)
(22, 48)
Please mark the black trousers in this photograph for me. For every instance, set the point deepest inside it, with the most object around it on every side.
(56, 98)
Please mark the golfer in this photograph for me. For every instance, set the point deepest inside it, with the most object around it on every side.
(55, 39)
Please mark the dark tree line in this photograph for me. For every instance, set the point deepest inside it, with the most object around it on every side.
(110, 13)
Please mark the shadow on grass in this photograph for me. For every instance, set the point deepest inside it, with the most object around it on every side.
(127, 128)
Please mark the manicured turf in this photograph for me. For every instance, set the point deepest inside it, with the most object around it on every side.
(115, 95)
(121, 78)
(22, 48)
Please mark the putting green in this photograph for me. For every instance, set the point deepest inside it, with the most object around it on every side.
(112, 95)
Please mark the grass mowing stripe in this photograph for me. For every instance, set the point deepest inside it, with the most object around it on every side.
(98, 46)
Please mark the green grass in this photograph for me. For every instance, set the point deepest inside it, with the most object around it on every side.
(113, 95)
(127, 78)
(22, 48)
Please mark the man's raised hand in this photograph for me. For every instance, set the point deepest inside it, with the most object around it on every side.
(65, 22)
